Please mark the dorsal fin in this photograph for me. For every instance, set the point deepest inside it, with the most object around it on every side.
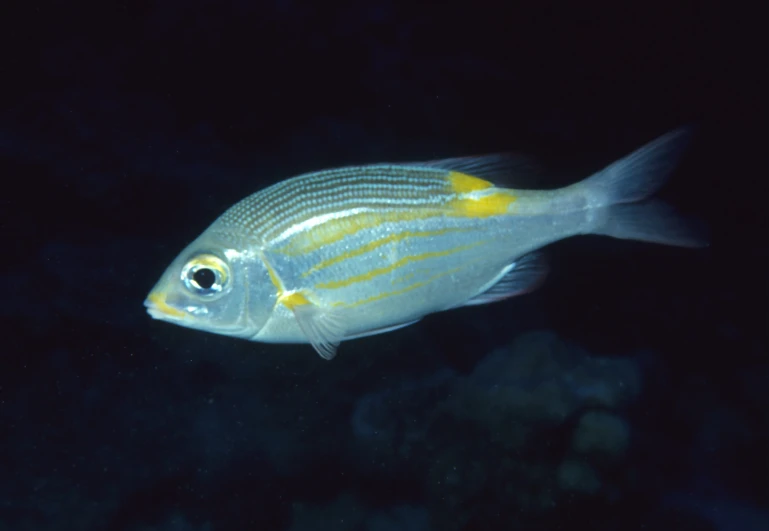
(496, 168)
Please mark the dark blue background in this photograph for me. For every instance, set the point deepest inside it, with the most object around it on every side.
(126, 128)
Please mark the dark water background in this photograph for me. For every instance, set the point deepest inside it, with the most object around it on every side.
(629, 393)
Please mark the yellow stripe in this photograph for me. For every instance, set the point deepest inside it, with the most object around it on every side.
(273, 276)
(407, 277)
(376, 244)
(290, 299)
(496, 203)
(400, 263)
(336, 230)
(401, 291)
(158, 300)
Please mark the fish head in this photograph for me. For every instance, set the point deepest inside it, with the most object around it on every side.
(207, 288)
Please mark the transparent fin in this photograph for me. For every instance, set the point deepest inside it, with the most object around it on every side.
(323, 328)
(383, 330)
(493, 167)
(652, 221)
(640, 174)
(619, 193)
(522, 276)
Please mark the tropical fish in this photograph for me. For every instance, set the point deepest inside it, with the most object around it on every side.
(355, 251)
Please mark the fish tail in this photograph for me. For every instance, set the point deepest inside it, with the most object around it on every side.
(619, 196)
(652, 221)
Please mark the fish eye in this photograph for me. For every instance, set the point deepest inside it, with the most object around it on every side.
(205, 275)
(204, 278)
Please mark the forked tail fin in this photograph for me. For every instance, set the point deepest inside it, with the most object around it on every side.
(620, 196)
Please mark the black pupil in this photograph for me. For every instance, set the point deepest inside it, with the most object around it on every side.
(204, 278)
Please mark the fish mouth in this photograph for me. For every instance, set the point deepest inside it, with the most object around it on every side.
(158, 308)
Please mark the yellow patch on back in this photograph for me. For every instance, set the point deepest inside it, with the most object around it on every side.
(494, 204)
(467, 196)
(461, 183)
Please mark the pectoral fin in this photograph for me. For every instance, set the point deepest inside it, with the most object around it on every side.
(323, 328)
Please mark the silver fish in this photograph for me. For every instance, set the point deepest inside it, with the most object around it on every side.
(356, 251)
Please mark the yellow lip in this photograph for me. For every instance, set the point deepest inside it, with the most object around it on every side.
(156, 304)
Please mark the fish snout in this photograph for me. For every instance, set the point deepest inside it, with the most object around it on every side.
(158, 307)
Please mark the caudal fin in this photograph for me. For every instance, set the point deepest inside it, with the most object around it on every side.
(640, 174)
(652, 221)
(619, 194)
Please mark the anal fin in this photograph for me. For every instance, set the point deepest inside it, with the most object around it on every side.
(522, 276)
(383, 330)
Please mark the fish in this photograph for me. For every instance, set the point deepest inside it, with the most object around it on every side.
(344, 253)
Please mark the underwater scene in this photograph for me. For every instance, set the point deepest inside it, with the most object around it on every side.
(384, 266)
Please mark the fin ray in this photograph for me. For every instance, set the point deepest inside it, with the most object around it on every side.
(323, 328)
(522, 276)
(495, 167)
(382, 330)
(620, 195)
(641, 173)
(652, 221)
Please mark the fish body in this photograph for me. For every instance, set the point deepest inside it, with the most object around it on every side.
(355, 251)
